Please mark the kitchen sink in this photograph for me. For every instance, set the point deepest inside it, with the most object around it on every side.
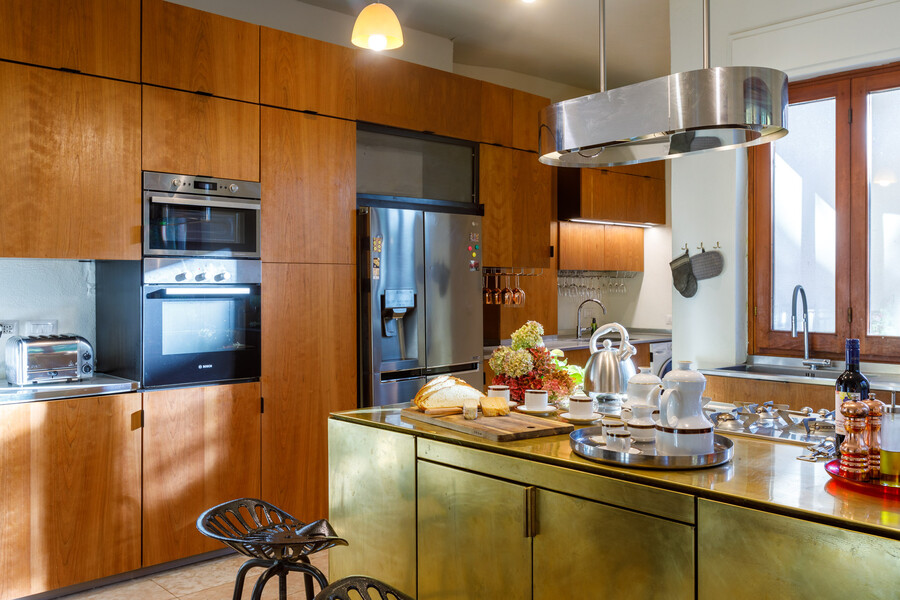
(784, 370)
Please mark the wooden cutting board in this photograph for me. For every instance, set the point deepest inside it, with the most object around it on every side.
(514, 426)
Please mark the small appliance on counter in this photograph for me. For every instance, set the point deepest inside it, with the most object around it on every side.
(48, 358)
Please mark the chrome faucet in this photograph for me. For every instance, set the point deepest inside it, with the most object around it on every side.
(578, 318)
(812, 363)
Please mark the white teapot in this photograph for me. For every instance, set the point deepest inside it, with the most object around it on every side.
(682, 427)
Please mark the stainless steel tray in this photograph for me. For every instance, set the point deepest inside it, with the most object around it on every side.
(587, 443)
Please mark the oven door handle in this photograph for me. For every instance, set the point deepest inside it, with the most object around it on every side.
(195, 291)
(204, 203)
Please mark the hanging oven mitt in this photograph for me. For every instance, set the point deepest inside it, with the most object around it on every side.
(707, 264)
(683, 275)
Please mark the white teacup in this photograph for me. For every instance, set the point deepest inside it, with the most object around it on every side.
(609, 424)
(581, 406)
(498, 391)
(536, 399)
(618, 440)
(641, 425)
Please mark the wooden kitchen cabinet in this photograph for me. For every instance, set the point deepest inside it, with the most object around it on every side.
(301, 73)
(100, 37)
(308, 371)
(199, 135)
(198, 51)
(795, 395)
(70, 475)
(201, 448)
(591, 247)
(516, 192)
(525, 119)
(630, 194)
(73, 142)
(310, 195)
(496, 114)
(410, 96)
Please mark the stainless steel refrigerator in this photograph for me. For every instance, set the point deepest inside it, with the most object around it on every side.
(420, 311)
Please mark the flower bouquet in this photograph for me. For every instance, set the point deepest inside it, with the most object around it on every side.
(528, 365)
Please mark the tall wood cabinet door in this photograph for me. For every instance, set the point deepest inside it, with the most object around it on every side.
(192, 133)
(301, 73)
(580, 544)
(526, 109)
(308, 371)
(581, 246)
(198, 51)
(388, 91)
(70, 508)
(73, 142)
(623, 249)
(451, 103)
(310, 195)
(531, 218)
(496, 114)
(201, 448)
(472, 536)
(611, 194)
(100, 37)
(495, 190)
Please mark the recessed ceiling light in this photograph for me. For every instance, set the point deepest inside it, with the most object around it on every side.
(528, 1)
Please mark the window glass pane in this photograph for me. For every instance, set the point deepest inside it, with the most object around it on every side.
(884, 212)
(803, 216)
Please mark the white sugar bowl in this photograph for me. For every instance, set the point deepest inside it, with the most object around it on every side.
(644, 388)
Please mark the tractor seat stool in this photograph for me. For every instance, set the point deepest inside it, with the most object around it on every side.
(271, 538)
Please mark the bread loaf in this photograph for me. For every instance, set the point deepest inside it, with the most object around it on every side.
(494, 406)
(444, 392)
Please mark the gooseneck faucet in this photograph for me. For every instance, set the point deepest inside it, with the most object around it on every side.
(578, 317)
(812, 363)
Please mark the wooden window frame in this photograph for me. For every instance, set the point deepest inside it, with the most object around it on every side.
(850, 90)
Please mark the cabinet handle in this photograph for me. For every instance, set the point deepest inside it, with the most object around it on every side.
(530, 511)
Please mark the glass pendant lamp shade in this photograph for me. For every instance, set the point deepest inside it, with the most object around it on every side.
(377, 28)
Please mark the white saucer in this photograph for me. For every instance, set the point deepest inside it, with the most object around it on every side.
(580, 420)
(541, 411)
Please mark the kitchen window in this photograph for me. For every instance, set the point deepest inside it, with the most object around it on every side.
(825, 214)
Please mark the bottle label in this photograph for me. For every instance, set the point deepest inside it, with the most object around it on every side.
(840, 398)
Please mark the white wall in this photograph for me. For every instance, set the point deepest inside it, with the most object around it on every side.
(709, 191)
(526, 83)
(34, 289)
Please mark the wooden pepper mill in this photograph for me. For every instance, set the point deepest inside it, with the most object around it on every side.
(873, 435)
(854, 452)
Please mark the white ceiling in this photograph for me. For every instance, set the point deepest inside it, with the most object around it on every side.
(552, 39)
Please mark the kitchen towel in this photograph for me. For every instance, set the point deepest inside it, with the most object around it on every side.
(707, 264)
(683, 275)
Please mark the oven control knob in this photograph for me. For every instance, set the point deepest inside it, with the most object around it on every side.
(176, 182)
(86, 369)
(233, 187)
(223, 276)
(182, 276)
(201, 276)
(86, 355)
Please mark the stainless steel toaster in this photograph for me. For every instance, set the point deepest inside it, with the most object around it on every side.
(46, 358)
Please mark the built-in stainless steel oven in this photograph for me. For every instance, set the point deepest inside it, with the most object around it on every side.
(187, 215)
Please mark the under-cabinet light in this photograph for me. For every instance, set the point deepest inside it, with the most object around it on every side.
(617, 224)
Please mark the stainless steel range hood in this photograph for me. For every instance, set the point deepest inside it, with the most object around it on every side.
(694, 111)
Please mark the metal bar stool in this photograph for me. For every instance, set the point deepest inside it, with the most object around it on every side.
(362, 585)
(271, 538)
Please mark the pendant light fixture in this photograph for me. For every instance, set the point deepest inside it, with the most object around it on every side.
(377, 28)
(685, 113)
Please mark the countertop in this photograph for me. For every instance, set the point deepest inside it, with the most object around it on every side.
(98, 385)
(567, 341)
(762, 474)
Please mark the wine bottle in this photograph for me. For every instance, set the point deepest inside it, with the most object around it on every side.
(851, 385)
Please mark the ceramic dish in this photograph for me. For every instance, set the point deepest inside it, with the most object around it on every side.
(580, 420)
(540, 412)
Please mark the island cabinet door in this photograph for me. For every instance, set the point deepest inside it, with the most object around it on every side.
(70, 492)
(201, 448)
(473, 536)
(799, 559)
(585, 549)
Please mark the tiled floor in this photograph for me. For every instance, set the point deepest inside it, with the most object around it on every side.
(210, 580)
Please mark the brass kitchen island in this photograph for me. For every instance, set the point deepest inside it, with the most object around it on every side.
(441, 514)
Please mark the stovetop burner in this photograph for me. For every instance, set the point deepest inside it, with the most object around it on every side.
(773, 421)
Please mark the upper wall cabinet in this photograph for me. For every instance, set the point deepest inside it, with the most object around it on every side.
(410, 96)
(630, 194)
(525, 119)
(589, 247)
(69, 179)
(516, 192)
(310, 195)
(100, 37)
(496, 114)
(199, 135)
(304, 74)
(198, 51)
